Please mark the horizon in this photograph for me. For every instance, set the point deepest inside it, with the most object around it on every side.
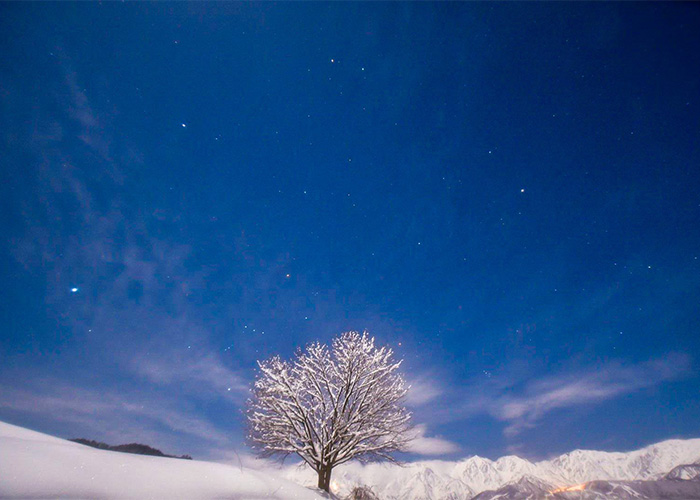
(504, 194)
(249, 460)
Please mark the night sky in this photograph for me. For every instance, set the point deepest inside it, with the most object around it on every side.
(507, 194)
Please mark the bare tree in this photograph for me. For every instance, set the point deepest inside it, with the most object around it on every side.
(329, 406)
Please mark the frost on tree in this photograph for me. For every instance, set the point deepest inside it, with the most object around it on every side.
(330, 405)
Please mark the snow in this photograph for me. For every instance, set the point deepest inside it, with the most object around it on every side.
(36, 465)
(651, 462)
(441, 479)
(329, 406)
(685, 472)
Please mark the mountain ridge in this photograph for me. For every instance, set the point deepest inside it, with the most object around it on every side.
(466, 478)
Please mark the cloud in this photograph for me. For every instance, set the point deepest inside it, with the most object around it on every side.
(433, 446)
(140, 303)
(109, 413)
(148, 290)
(526, 408)
(199, 372)
(422, 391)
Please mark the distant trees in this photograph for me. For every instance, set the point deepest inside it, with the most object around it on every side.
(330, 405)
(135, 448)
(362, 493)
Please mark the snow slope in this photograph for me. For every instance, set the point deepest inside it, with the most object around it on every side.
(466, 478)
(35, 465)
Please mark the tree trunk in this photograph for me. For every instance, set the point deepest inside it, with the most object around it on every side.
(324, 478)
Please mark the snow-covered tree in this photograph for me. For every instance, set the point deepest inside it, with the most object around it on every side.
(329, 406)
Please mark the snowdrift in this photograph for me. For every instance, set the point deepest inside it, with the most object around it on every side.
(36, 465)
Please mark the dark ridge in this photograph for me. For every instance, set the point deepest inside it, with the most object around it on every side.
(135, 448)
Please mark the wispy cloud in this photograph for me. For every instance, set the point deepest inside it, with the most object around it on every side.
(138, 314)
(202, 373)
(113, 414)
(524, 408)
(431, 446)
(422, 391)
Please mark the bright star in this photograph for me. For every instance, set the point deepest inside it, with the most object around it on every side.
(522, 190)
(74, 290)
(184, 126)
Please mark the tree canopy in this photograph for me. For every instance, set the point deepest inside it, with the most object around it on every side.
(330, 405)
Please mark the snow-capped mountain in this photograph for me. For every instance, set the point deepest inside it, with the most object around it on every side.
(648, 463)
(467, 478)
(686, 472)
(428, 484)
(525, 488)
(670, 487)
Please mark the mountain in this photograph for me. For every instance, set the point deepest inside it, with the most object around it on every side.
(685, 472)
(682, 483)
(483, 474)
(428, 484)
(515, 477)
(40, 466)
(525, 488)
(648, 463)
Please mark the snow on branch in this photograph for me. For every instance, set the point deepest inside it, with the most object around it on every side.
(329, 406)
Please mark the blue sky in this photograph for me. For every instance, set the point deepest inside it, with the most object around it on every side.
(507, 194)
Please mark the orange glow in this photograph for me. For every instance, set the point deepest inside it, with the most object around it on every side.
(578, 487)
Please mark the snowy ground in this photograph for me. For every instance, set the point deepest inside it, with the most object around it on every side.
(35, 465)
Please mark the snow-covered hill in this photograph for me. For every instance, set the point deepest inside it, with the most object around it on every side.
(466, 478)
(35, 465)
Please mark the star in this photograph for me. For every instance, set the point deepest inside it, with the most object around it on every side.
(183, 125)
(522, 190)
(74, 290)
